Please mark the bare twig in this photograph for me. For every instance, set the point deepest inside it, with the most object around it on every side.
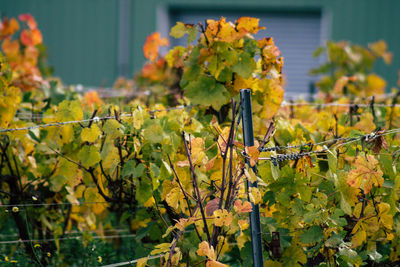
(196, 188)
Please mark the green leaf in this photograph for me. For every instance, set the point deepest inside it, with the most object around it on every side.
(294, 255)
(178, 31)
(192, 32)
(130, 169)
(57, 182)
(350, 255)
(89, 156)
(312, 235)
(334, 241)
(69, 111)
(245, 65)
(206, 92)
(225, 75)
(153, 133)
(113, 129)
(144, 191)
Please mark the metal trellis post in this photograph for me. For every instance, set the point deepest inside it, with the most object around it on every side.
(248, 136)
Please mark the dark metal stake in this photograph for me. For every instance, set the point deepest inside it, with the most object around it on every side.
(248, 137)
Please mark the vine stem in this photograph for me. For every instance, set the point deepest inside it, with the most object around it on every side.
(196, 187)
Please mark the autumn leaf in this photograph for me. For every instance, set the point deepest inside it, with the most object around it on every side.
(248, 25)
(243, 224)
(379, 48)
(255, 195)
(214, 263)
(152, 44)
(8, 27)
(273, 96)
(180, 29)
(242, 207)
(206, 250)
(10, 48)
(91, 98)
(183, 223)
(366, 174)
(197, 150)
(142, 262)
(342, 82)
(173, 197)
(250, 175)
(31, 37)
(222, 217)
(375, 85)
(29, 20)
(69, 111)
(212, 206)
(359, 238)
(160, 248)
(253, 153)
(386, 219)
(378, 142)
(90, 134)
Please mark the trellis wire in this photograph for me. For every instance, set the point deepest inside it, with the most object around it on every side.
(95, 119)
(51, 204)
(64, 238)
(333, 141)
(285, 103)
(298, 155)
(132, 261)
(76, 232)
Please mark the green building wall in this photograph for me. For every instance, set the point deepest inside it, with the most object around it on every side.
(86, 44)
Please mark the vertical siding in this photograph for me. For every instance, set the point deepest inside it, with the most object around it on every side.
(82, 35)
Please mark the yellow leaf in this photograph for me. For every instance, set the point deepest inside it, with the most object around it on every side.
(376, 85)
(255, 195)
(173, 197)
(243, 224)
(340, 83)
(183, 223)
(214, 263)
(273, 97)
(250, 175)
(366, 123)
(206, 250)
(160, 248)
(222, 216)
(359, 238)
(142, 262)
(90, 134)
(380, 49)
(366, 174)
(223, 139)
(149, 203)
(251, 83)
(69, 111)
(241, 240)
(271, 263)
(385, 218)
(227, 32)
(197, 148)
(66, 134)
